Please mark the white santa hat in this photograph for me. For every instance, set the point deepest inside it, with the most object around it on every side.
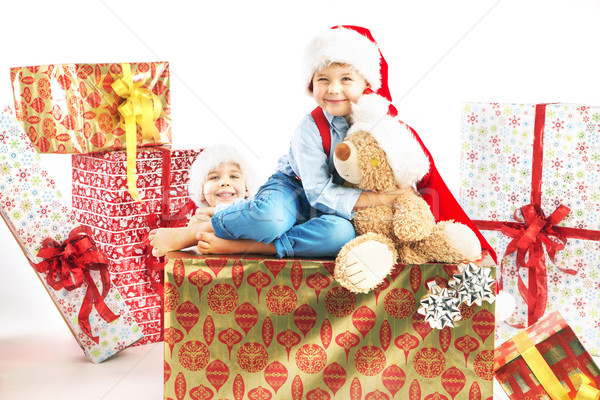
(404, 153)
(209, 159)
(351, 45)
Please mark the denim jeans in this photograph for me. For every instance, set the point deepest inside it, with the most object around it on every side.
(281, 214)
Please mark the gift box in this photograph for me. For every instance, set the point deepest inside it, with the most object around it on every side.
(529, 181)
(547, 361)
(119, 224)
(53, 242)
(246, 328)
(74, 108)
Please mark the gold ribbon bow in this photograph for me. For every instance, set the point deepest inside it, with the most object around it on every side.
(141, 107)
(544, 374)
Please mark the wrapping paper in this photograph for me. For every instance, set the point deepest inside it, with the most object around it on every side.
(119, 224)
(531, 186)
(35, 212)
(560, 350)
(246, 328)
(73, 108)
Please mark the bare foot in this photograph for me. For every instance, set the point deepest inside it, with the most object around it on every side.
(209, 243)
(164, 240)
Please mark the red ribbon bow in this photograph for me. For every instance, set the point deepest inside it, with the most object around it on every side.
(68, 266)
(531, 234)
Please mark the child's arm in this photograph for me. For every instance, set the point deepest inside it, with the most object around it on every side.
(372, 199)
(164, 240)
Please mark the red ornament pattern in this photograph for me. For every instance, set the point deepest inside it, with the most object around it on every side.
(194, 355)
(334, 376)
(393, 378)
(305, 318)
(453, 381)
(267, 331)
(289, 314)
(340, 302)
(222, 298)
(201, 393)
(399, 303)
(216, 265)
(385, 334)
(483, 365)
(318, 282)
(297, 389)
(281, 300)
(429, 362)
(364, 320)
(326, 333)
(296, 275)
(275, 266)
(217, 373)
(252, 357)
(208, 329)
(311, 358)
(369, 360)
(276, 375)
(200, 279)
(187, 315)
(238, 387)
(258, 280)
(246, 316)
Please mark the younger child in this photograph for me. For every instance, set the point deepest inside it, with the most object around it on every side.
(219, 177)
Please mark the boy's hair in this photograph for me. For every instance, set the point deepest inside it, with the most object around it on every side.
(208, 160)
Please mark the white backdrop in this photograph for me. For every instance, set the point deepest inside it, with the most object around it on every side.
(236, 75)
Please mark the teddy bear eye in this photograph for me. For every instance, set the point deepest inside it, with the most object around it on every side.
(374, 162)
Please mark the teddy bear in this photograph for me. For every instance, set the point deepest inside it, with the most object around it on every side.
(380, 154)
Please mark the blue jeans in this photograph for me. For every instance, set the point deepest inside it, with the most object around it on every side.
(281, 214)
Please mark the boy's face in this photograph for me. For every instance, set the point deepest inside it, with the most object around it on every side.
(223, 185)
(337, 86)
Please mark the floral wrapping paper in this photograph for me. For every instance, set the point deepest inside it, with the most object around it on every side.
(34, 210)
(562, 351)
(119, 224)
(496, 181)
(252, 328)
(73, 108)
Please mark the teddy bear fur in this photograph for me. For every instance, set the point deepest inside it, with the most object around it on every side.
(408, 228)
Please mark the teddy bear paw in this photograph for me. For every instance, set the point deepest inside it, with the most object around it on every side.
(367, 264)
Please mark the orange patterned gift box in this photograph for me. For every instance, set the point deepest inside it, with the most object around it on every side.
(547, 361)
(78, 108)
(253, 328)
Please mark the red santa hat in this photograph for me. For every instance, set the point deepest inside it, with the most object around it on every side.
(209, 159)
(353, 46)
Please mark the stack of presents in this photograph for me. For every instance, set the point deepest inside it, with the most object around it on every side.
(260, 328)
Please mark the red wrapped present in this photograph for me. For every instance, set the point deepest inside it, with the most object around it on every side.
(119, 224)
(547, 361)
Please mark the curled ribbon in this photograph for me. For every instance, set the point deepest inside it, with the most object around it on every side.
(141, 107)
(534, 232)
(68, 266)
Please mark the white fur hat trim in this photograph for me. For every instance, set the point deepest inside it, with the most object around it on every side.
(405, 154)
(209, 159)
(346, 46)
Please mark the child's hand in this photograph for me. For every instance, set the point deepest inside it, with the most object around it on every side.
(203, 214)
(388, 198)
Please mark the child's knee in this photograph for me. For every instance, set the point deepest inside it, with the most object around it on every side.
(341, 232)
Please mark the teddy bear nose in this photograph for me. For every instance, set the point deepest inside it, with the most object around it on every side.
(342, 151)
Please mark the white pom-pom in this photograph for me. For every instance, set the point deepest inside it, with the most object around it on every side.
(370, 108)
(505, 305)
